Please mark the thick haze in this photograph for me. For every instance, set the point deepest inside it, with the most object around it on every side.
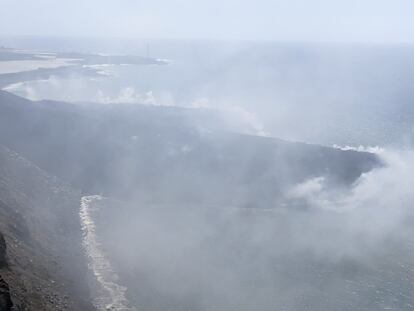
(204, 182)
(317, 20)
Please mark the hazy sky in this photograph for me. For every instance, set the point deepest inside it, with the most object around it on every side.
(310, 20)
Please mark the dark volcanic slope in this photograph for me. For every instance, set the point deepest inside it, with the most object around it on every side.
(41, 260)
(159, 152)
(154, 154)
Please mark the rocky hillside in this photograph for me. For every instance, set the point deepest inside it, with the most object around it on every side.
(41, 261)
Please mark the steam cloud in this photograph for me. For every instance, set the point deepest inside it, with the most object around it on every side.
(333, 251)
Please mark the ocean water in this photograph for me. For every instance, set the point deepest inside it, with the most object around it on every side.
(183, 257)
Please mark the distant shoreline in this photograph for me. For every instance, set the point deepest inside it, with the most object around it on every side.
(42, 65)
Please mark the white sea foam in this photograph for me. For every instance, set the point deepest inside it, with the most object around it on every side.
(109, 295)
